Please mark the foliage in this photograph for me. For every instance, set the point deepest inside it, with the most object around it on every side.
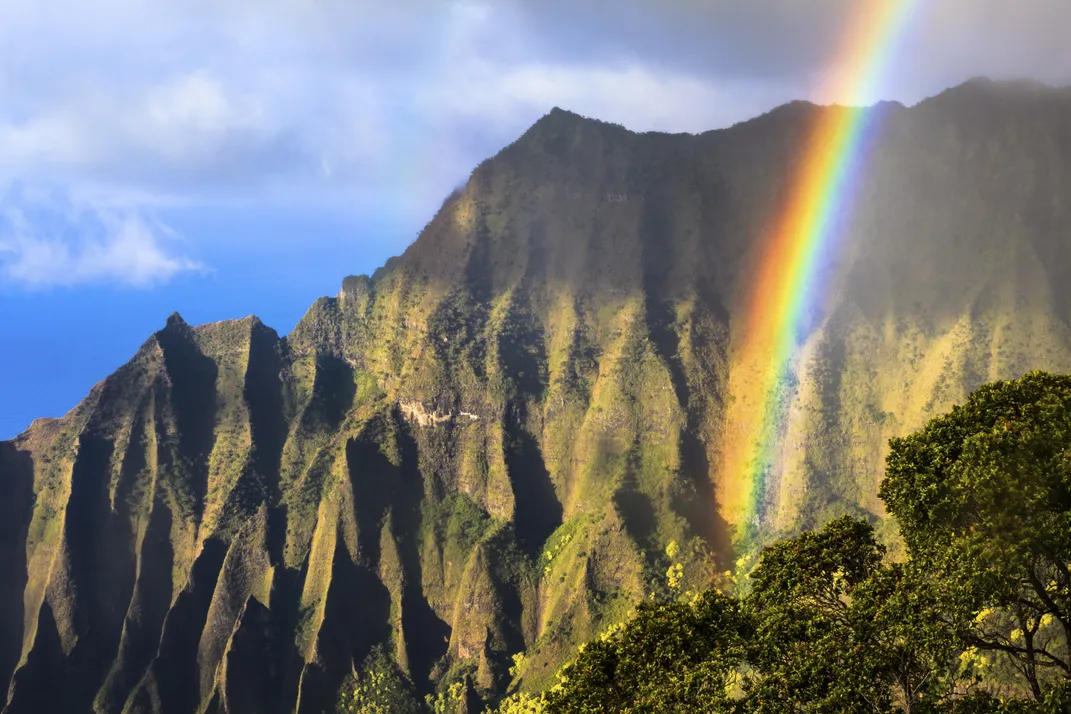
(521, 703)
(671, 657)
(379, 688)
(838, 630)
(829, 626)
(446, 701)
(983, 497)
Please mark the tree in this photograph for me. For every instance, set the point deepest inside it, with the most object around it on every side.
(983, 498)
(521, 703)
(671, 657)
(379, 688)
(838, 630)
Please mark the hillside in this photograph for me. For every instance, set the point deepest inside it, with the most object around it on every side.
(485, 448)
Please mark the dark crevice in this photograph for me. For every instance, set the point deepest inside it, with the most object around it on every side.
(538, 511)
(426, 635)
(582, 367)
(102, 572)
(213, 706)
(175, 669)
(501, 557)
(635, 508)
(637, 513)
(129, 497)
(333, 390)
(660, 326)
(709, 336)
(522, 353)
(16, 512)
(356, 618)
(286, 613)
(478, 265)
(379, 487)
(536, 267)
(229, 597)
(33, 689)
(700, 506)
(253, 683)
(697, 502)
(263, 394)
(373, 479)
(192, 397)
(146, 614)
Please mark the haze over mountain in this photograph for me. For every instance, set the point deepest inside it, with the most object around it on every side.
(486, 447)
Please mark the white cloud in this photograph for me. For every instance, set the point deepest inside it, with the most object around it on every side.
(54, 238)
(385, 106)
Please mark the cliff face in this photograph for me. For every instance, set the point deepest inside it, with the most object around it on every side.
(486, 448)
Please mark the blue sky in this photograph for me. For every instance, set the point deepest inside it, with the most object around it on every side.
(224, 158)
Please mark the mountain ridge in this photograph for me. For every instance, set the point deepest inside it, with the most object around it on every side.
(487, 447)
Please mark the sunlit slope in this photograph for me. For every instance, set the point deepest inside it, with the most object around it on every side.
(487, 447)
(955, 271)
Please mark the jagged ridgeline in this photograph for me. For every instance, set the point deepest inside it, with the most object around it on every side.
(487, 447)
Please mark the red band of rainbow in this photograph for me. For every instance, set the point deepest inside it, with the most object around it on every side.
(783, 292)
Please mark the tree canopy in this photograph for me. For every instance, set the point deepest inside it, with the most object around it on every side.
(983, 499)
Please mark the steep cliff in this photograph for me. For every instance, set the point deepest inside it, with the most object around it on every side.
(486, 448)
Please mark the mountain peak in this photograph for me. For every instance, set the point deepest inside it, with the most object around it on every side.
(175, 320)
(559, 114)
(564, 119)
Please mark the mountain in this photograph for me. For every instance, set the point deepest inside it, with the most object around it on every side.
(487, 447)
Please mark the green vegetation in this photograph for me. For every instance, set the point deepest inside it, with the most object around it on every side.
(974, 620)
(379, 688)
(983, 497)
(490, 451)
(670, 657)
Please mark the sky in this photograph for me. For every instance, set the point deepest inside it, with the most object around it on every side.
(222, 158)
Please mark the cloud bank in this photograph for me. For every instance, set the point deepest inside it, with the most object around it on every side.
(386, 106)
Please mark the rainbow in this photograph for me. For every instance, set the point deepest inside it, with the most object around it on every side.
(783, 293)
